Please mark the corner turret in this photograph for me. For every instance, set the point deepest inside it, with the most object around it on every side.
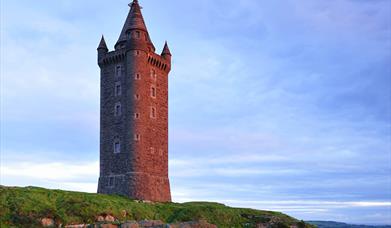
(166, 51)
(102, 49)
(166, 54)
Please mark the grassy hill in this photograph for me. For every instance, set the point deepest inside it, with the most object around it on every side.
(25, 207)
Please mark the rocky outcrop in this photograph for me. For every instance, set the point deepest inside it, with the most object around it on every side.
(198, 224)
(109, 221)
(47, 222)
(102, 222)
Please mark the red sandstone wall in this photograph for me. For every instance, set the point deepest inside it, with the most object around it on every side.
(152, 148)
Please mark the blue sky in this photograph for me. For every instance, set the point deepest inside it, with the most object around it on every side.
(279, 105)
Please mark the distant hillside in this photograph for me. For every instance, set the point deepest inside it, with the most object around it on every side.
(329, 224)
(32, 207)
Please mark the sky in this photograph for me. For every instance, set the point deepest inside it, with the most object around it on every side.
(280, 105)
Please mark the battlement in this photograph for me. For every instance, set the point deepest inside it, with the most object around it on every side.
(119, 55)
(159, 62)
(113, 57)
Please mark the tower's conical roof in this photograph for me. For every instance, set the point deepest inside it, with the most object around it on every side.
(102, 44)
(134, 20)
(166, 50)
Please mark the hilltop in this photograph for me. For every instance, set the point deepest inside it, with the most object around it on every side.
(30, 206)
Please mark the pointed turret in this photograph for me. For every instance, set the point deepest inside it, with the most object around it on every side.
(166, 54)
(135, 29)
(166, 50)
(102, 44)
(102, 49)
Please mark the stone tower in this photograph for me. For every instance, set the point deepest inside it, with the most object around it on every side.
(134, 114)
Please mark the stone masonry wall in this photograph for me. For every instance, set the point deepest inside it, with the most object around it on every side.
(140, 170)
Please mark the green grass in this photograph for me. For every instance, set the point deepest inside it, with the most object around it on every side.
(26, 206)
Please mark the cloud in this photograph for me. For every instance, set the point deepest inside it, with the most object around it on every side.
(77, 176)
(51, 171)
(317, 203)
(288, 206)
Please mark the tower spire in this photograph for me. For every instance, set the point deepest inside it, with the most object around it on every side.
(134, 22)
(134, 2)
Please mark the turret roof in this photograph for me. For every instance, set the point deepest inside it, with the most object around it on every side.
(166, 50)
(134, 20)
(102, 44)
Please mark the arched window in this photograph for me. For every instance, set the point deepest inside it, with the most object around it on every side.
(118, 70)
(153, 91)
(153, 112)
(117, 109)
(153, 74)
(118, 89)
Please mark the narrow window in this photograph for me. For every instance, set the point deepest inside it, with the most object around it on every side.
(117, 146)
(111, 181)
(137, 76)
(153, 112)
(128, 35)
(118, 71)
(117, 109)
(153, 74)
(137, 115)
(118, 89)
(138, 34)
(137, 52)
(137, 137)
(153, 92)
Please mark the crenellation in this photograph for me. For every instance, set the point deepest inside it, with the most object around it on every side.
(158, 61)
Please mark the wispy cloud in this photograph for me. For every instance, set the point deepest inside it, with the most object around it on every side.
(51, 171)
(72, 175)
